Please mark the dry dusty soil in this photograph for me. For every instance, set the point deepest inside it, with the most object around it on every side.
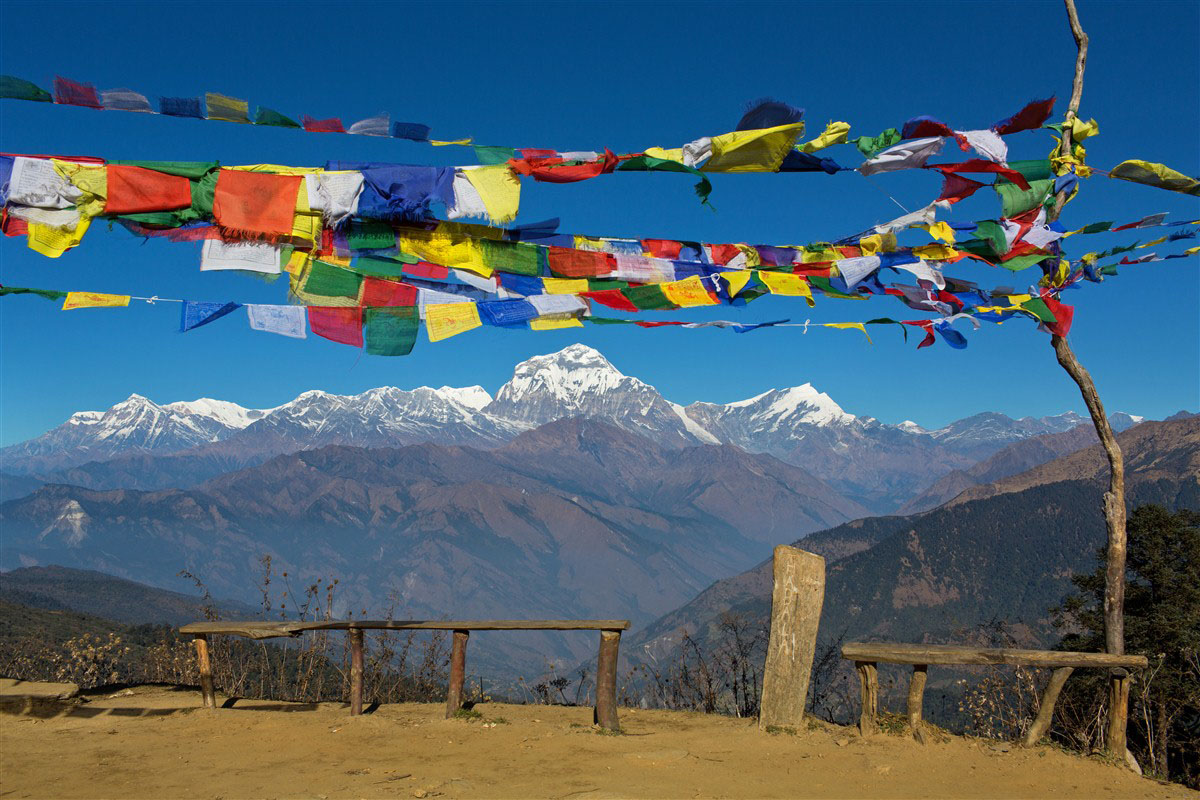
(153, 742)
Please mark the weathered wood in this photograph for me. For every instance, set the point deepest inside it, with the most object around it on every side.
(356, 672)
(1118, 712)
(955, 654)
(868, 678)
(204, 667)
(458, 671)
(267, 630)
(916, 698)
(795, 612)
(605, 714)
(1046, 712)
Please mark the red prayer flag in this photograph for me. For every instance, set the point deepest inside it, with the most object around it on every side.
(550, 170)
(256, 202)
(662, 248)
(423, 269)
(1030, 117)
(343, 325)
(956, 187)
(647, 324)
(570, 263)
(611, 298)
(134, 190)
(68, 92)
(380, 292)
(1062, 312)
(982, 165)
(331, 125)
(722, 254)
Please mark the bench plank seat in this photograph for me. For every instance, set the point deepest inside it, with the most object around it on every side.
(267, 630)
(890, 653)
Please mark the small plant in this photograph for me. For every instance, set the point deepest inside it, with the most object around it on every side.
(608, 732)
(468, 714)
(776, 730)
(893, 724)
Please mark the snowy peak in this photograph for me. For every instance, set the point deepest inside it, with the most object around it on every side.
(475, 397)
(797, 405)
(231, 415)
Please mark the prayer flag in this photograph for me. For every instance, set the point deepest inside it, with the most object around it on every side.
(16, 89)
(414, 131)
(267, 116)
(331, 125)
(256, 202)
(786, 283)
(571, 263)
(196, 314)
(689, 293)
(554, 323)
(263, 257)
(326, 280)
(125, 100)
(133, 190)
(94, 300)
(564, 285)
(337, 324)
(391, 331)
(506, 313)
(1029, 117)
(1160, 176)
(371, 126)
(228, 109)
(70, 93)
(443, 320)
(378, 292)
(181, 107)
(284, 320)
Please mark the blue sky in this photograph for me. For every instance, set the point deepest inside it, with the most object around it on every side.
(626, 76)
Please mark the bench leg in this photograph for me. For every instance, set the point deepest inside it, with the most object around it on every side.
(916, 698)
(458, 672)
(1118, 713)
(356, 671)
(606, 681)
(1046, 711)
(204, 666)
(868, 678)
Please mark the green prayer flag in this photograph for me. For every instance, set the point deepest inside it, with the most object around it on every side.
(327, 280)
(490, 154)
(370, 235)
(517, 258)
(390, 331)
(608, 321)
(268, 116)
(49, 294)
(18, 89)
(648, 298)
(871, 146)
(644, 163)
(378, 267)
(1037, 169)
(595, 285)
(991, 233)
(1039, 309)
(1015, 201)
(824, 285)
(1023, 262)
(889, 321)
(1095, 227)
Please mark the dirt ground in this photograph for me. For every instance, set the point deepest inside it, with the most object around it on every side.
(154, 742)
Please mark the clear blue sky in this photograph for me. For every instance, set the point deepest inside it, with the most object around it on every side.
(626, 76)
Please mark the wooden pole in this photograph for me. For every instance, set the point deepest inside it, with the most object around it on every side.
(605, 714)
(916, 698)
(458, 672)
(356, 671)
(796, 604)
(868, 678)
(1046, 713)
(1114, 498)
(204, 665)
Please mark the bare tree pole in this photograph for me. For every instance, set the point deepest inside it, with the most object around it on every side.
(1114, 498)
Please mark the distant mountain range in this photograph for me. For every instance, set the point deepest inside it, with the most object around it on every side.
(1001, 551)
(139, 444)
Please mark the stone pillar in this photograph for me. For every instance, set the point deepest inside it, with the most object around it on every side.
(795, 613)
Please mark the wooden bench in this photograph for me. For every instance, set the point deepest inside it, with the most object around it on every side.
(605, 713)
(866, 655)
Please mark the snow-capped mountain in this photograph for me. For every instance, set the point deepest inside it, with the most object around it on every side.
(579, 382)
(878, 464)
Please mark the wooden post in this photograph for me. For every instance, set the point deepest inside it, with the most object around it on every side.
(458, 671)
(356, 671)
(204, 665)
(1046, 712)
(796, 604)
(868, 678)
(605, 714)
(1114, 498)
(1118, 712)
(916, 697)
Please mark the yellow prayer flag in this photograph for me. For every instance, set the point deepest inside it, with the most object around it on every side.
(736, 281)
(443, 320)
(94, 300)
(934, 252)
(278, 169)
(858, 326)
(942, 232)
(499, 189)
(870, 245)
(298, 261)
(91, 179)
(564, 285)
(760, 150)
(1081, 130)
(440, 143)
(674, 154)
(787, 284)
(811, 255)
(592, 244)
(1153, 242)
(53, 242)
(688, 293)
(834, 133)
(446, 248)
(1191, 251)
(554, 322)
